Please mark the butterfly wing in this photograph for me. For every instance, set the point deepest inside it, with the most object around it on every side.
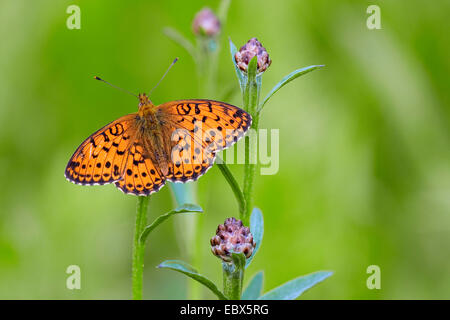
(101, 158)
(193, 130)
(141, 176)
(114, 154)
(200, 129)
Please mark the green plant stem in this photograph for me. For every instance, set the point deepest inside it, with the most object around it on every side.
(207, 53)
(251, 102)
(137, 270)
(249, 176)
(233, 276)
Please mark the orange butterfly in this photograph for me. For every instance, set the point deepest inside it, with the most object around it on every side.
(175, 141)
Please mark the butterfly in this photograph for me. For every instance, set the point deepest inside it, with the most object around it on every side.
(176, 141)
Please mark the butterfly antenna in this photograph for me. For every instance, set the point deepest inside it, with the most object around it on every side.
(119, 88)
(171, 65)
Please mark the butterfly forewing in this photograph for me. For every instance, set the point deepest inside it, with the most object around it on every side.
(101, 158)
(201, 128)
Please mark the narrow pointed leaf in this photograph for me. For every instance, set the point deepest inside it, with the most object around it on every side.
(252, 68)
(293, 289)
(254, 287)
(238, 259)
(233, 184)
(188, 270)
(241, 76)
(183, 193)
(293, 75)
(181, 209)
(257, 230)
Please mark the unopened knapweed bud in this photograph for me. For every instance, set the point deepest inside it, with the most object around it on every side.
(206, 23)
(252, 48)
(230, 237)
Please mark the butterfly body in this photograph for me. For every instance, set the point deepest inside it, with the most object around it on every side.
(150, 124)
(175, 141)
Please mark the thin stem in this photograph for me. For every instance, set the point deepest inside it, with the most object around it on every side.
(249, 175)
(207, 51)
(233, 276)
(251, 102)
(137, 269)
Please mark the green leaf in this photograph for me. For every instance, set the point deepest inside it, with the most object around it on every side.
(294, 288)
(238, 259)
(257, 230)
(188, 270)
(254, 287)
(183, 193)
(233, 184)
(181, 209)
(291, 76)
(251, 69)
(178, 38)
(241, 76)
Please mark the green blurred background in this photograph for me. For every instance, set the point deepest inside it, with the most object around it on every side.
(364, 145)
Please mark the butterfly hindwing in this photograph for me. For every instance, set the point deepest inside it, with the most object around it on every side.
(189, 159)
(140, 176)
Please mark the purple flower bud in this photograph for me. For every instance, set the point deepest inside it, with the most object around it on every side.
(230, 237)
(206, 23)
(252, 48)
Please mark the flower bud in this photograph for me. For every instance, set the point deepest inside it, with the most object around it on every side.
(252, 48)
(206, 23)
(230, 237)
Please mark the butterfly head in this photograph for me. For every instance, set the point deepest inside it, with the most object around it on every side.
(145, 105)
(144, 100)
